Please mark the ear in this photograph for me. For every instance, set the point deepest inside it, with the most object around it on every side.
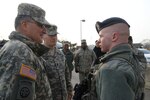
(115, 36)
(23, 24)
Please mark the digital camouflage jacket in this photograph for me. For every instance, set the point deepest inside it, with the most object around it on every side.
(22, 76)
(58, 73)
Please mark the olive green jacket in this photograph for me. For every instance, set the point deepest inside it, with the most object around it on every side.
(115, 79)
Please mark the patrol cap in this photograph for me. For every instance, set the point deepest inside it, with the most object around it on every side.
(52, 30)
(108, 22)
(83, 41)
(35, 12)
(66, 43)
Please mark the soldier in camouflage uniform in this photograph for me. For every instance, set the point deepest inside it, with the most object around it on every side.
(69, 57)
(84, 59)
(22, 75)
(57, 71)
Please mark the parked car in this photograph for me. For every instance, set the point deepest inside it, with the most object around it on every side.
(59, 45)
(146, 54)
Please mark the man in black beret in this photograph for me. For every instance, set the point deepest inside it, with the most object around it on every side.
(116, 78)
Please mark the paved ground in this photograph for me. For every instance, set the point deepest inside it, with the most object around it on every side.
(147, 94)
(75, 79)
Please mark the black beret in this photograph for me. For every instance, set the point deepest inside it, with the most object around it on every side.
(108, 22)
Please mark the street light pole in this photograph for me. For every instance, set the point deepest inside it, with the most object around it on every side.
(81, 28)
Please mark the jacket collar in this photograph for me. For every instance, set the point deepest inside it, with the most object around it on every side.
(37, 48)
(117, 51)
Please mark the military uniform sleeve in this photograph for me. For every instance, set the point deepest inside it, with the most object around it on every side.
(18, 79)
(22, 77)
(68, 81)
(94, 56)
(72, 59)
(76, 61)
(113, 85)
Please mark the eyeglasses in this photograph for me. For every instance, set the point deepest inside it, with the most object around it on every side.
(38, 24)
(83, 43)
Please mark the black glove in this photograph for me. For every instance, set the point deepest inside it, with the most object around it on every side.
(76, 70)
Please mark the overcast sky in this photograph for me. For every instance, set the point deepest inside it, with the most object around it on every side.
(66, 14)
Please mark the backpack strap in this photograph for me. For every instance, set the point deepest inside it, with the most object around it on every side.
(139, 71)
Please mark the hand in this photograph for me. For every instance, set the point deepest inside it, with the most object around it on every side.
(70, 94)
(92, 70)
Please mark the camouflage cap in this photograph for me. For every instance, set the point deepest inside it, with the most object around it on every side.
(52, 30)
(66, 43)
(35, 12)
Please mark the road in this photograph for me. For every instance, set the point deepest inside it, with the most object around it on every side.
(75, 79)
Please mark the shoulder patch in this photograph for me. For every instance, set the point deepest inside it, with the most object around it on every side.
(27, 71)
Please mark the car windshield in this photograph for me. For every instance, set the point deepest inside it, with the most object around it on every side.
(145, 51)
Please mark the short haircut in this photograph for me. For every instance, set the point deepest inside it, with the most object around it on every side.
(21, 18)
(130, 38)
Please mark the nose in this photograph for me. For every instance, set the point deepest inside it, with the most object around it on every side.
(44, 30)
(98, 41)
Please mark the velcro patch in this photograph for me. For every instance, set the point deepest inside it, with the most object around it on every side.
(24, 92)
(27, 71)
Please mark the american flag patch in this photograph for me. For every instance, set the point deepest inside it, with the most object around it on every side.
(27, 71)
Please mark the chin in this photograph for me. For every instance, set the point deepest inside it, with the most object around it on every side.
(40, 41)
(37, 41)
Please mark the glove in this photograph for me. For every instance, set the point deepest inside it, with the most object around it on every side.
(77, 70)
(90, 75)
(92, 70)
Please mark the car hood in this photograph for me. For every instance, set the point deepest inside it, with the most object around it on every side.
(147, 57)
